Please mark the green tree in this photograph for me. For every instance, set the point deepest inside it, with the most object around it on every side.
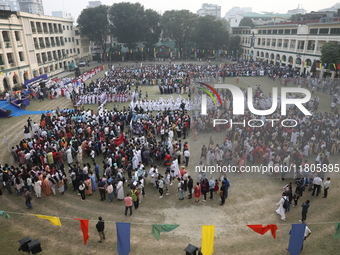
(128, 23)
(153, 28)
(330, 53)
(234, 45)
(179, 26)
(93, 24)
(210, 34)
(246, 22)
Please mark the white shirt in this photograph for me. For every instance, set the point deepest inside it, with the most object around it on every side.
(186, 153)
(317, 180)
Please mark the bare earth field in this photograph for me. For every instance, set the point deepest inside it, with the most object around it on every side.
(250, 201)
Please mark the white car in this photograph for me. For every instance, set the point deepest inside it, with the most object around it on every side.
(82, 64)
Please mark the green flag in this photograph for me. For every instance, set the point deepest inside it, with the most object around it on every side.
(337, 230)
(157, 228)
(4, 214)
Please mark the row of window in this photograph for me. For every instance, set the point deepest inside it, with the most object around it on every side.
(313, 31)
(54, 55)
(9, 57)
(325, 31)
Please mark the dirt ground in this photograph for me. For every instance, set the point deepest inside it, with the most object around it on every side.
(251, 201)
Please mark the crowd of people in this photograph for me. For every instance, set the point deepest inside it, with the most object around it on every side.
(150, 132)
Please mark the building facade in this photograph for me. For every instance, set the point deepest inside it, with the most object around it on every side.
(32, 45)
(213, 10)
(293, 45)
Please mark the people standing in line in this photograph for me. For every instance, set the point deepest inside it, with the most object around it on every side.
(134, 195)
(102, 189)
(28, 198)
(167, 183)
(326, 185)
(211, 187)
(160, 186)
(128, 203)
(222, 193)
(180, 187)
(100, 226)
(227, 186)
(197, 192)
(281, 210)
(81, 189)
(190, 186)
(186, 156)
(317, 181)
(305, 207)
(204, 188)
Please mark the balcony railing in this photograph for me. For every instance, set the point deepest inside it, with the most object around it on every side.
(8, 45)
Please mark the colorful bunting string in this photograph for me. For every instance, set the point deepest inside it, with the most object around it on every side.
(54, 220)
(123, 238)
(263, 229)
(208, 236)
(84, 226)
(157, 228)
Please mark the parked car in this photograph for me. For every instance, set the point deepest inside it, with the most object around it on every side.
(82, 63)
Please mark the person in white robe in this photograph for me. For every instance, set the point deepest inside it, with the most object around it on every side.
(37, 188)
(135, 161)
(69, 156)
(281, 210)
(120, 190)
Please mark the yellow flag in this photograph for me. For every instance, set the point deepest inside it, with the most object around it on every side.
(208, 237)
(54, 220)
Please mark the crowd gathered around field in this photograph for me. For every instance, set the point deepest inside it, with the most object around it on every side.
(119, 151)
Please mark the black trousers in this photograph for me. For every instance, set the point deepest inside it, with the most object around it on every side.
(102, 194)
(325, 192)
(304, 216)
(211, 193)
(136, 204)
(126, 209)
(82, 193)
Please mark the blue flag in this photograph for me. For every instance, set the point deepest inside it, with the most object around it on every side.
(297, 234)
(123, 238)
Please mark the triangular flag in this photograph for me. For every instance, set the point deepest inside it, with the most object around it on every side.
(4, 214)
(297, 234)
(157, 228)
(54, 220)
(123, 238)
(263, 229)
(208, 232)
(84, 226)
(337, 230)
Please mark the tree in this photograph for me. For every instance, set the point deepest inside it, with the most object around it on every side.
(330, 53)
(128, 23)
(210, 34)
(246, 22)
(178, 26)
(93, 24)
(153, 28)
(234, 44)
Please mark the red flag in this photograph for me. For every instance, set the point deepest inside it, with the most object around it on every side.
(84, 226)
(263, 229)
(118, 141)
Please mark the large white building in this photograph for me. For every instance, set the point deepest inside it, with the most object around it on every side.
(289, 44)
(213, 10)
(32, 45)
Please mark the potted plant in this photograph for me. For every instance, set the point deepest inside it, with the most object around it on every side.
(8, 112)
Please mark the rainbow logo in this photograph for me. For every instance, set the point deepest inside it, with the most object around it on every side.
(210, 94)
